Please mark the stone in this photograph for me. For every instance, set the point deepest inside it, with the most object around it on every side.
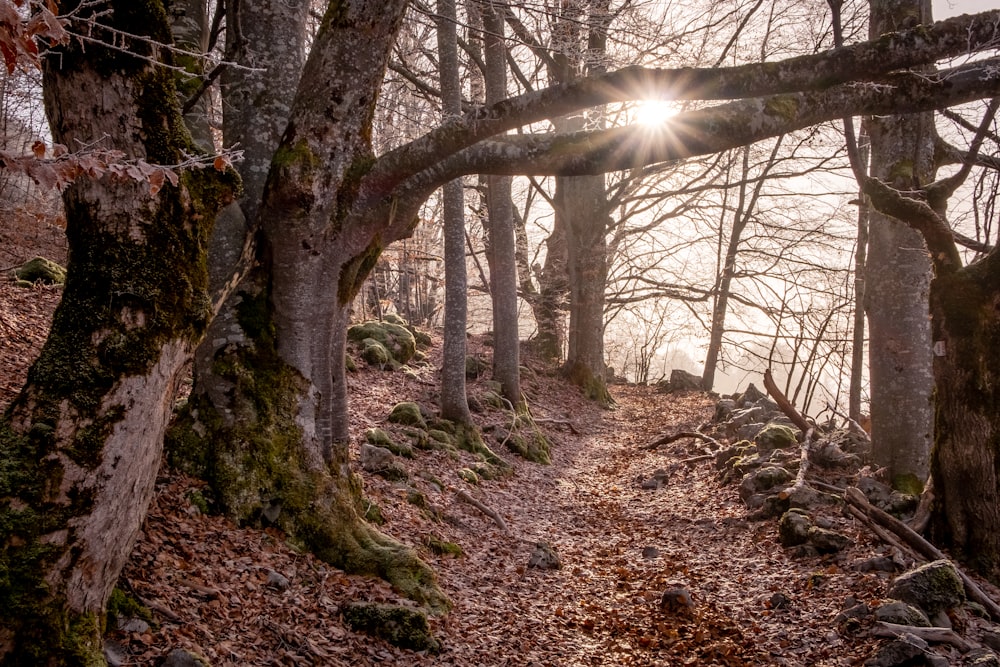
(395, 338)
(750, 396)
(277, 581)
(899, 652)
(875, 564)
(136, 625)
(775, 436)
(381, 461)
(182, 658)
(39, 269)
(374, 352)
(763, 479)
(544, 557)
(677, 601)
(793, 528)
(407, 413)
(981, 657)
(827, 541)
(932, 587)
(902, 614)
(650, 552)
(400, 626)
(681, 380)
(723, 409)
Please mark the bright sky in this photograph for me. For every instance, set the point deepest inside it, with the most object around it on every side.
(945, 8)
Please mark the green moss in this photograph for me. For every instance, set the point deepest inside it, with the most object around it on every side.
(407, 413)
(39, 269)
(394, 338)
(908, 483)
(469, 438)
(442, 547)
(127, 606)
(373, 512)
(379, 437)
(783, 106)
(468, 475)
(400, 626)
(901, 173)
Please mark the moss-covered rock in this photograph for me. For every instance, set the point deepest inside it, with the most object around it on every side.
(531, 444)
(375, 353)
(793, 528)
(775, 436)
(407, 413)
(468, 475)
(395, 338)
(39, 269)
(442, 437)
(400, 626)
(933, 587)
(468, 438)
(442, 547)
(380, 438)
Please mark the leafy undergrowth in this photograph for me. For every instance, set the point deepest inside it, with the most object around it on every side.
(248, 597)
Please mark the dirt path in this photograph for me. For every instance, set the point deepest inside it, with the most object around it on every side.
(603, 606)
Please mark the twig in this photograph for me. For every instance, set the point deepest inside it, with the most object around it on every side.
(491, 513)
(558, 422)
(939, 635)
(883, 534)
(785, 406)
(680, 435)
(854, 496)
(800, 477)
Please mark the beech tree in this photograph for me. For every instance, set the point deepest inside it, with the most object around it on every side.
(81, 443)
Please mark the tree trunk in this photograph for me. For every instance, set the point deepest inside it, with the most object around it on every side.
(82, 442)
(280, 443)
(454, 401)
(502, 246)
(966, 461)
(898, 284)
(860, 289)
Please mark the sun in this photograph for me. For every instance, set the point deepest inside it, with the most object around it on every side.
(654, 112)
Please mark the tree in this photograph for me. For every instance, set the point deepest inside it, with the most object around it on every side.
(897, 285)
(136, 301)
(81, 444)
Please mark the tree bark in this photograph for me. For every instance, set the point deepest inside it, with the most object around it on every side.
(82, 442)
(454, 401)
(898, 282)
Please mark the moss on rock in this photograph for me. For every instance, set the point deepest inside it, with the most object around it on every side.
(400, 626)
(407, 413)
(395, 338)
(39, 269)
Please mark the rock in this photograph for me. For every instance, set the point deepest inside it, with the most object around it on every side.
(876, 564)
(677, 601)
(878, 494)
(375, 353)
(182, 658)
(395, 338)
(992, 639)
(827, 541)
(681, 380)
(115, 654)
(277, 581)
(474, 367)
(750, 396)
(657, 481)
(650, 552)
(407, 413)
(775, 436)
(750, 431)
(544, 557)
(136, 625)
(39, 269)
(723, 409)
(379, 438)
(381, 461)
(899, 652)
(793, 528)
(468, 475)
(779, 601)
(981, 657)
(853, 613)
(932, 587)
(404, 627)
(902, 614)
(763, 479)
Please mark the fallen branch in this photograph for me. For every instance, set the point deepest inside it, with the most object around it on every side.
(680, 435)
(854, 496)
(491, 513)
(800, 478)
(883, 534)
(853, 425)
(785, 406)
(937, 635)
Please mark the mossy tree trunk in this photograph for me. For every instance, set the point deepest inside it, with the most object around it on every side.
(965, 307)
(81, 444)
(279, 434)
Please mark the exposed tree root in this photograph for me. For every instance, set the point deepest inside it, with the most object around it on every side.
(680, 435)
(491, 513)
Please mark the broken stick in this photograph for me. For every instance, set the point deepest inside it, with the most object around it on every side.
(491, 513)
(937, 635)
(680, 435)
(784, 404)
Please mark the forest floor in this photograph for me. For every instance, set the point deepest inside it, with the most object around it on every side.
(621, 546)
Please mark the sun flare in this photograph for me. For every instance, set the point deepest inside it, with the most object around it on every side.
(654, 112)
